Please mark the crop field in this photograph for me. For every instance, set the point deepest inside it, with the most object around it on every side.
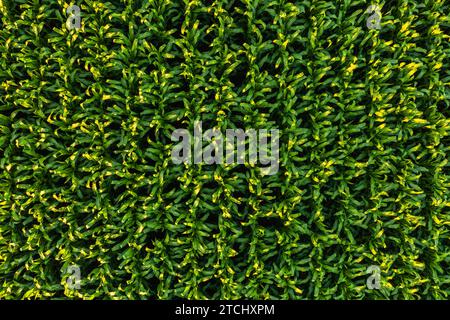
(101, 199)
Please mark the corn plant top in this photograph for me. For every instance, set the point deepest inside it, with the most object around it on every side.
(91, 92)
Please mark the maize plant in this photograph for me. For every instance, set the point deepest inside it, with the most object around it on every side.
(92, 205)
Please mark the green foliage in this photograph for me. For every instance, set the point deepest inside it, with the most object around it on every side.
(86, 176)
